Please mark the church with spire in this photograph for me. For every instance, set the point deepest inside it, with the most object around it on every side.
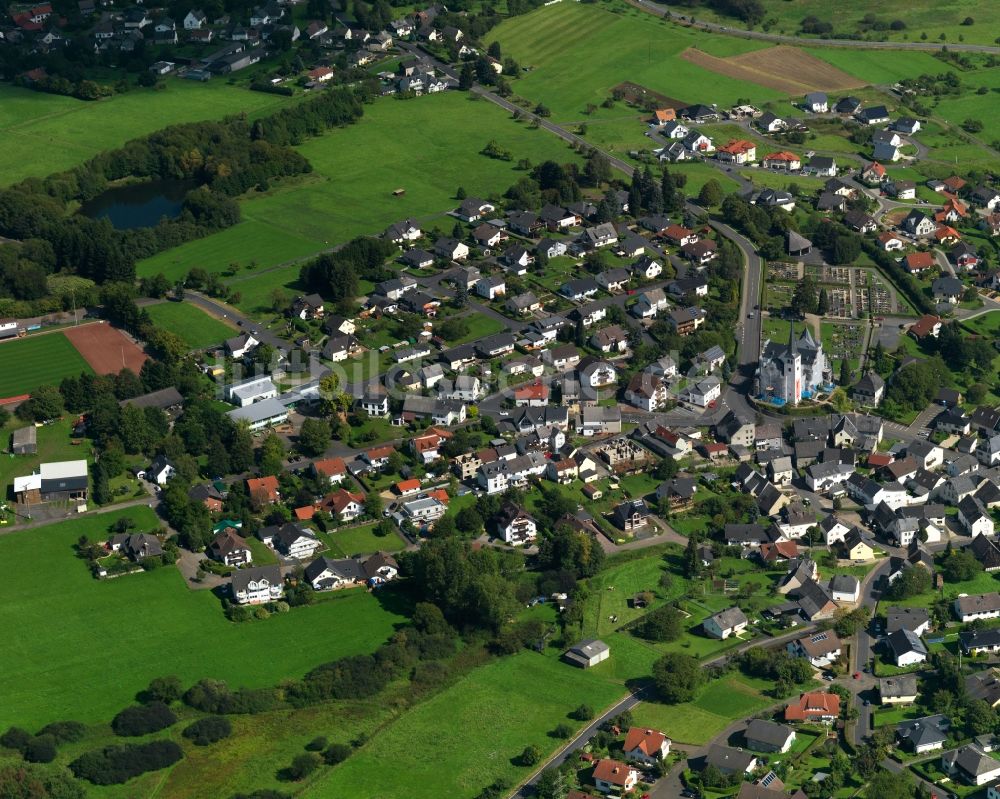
(794, 371)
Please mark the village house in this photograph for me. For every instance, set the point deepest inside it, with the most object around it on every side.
(257, 586)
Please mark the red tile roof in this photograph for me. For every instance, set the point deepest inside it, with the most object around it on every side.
(918, 261)
(331, 467)
(305, 513)
(534, 391)
(612, 771)
(340, 499)
(879, 459)
(647, 741)
(813, 705)
(782, 155)
(266, 487)
(407, 485)
(924, 325)
(738, 147)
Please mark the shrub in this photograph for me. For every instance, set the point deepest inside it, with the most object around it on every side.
(303, 765)
(40, 749)
(214, 696)
(562, 730)
(65, 732)
(163, 689)
(114, 765)
(582, 713)
(317, 744)
(336, 753)
(208, 730)
(15, 738)
(143, 719)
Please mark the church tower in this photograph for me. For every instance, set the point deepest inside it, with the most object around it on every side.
(791, 367)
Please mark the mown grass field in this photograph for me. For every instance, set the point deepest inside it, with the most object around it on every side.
(880, 66)
(361, 541)
(922, 16)
(80, 648)
(429, 147)
(467, 736)
(70, 131)
(42, 359)
(577, 53)
(197, 328)
(715, 708)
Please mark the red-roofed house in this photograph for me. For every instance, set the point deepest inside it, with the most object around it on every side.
(879, 460)
(320, 74)
(777, 552)
(714, 451)
(661, 116)
(333, 469)
(953, 211)
(890, 241)
(783, 160)
(873, 174)
(738, 151)
(680, 235)
(614, 776)
(345, 505)
(946, 234)
(305, 513)
(917, 262)
(377, 457)
(646, 746)
(954, 183)
(427, 444)
(440, 495)
(927, 325)
(814, 706)
(406, 487)
(263, 490)
(533, 395)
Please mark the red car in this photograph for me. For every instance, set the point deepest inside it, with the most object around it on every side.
(857, 675)
(711, 404)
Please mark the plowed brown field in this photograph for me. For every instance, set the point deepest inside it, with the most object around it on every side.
(774, 68)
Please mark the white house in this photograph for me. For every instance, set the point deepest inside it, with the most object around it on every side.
(257, 586)
(725, 623)
(977, 606)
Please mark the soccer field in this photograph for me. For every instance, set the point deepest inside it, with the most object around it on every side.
(197, 328)
(43, 359)
(79, 648)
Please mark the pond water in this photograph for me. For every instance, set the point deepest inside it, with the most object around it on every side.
(139, 204)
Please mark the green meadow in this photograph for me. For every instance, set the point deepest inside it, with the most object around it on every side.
(46, 133)
(576, 53)
(79, 648)
(470, 734)
(193, 325)
(428, 146)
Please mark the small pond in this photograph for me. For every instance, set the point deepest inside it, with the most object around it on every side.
(139, 204)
